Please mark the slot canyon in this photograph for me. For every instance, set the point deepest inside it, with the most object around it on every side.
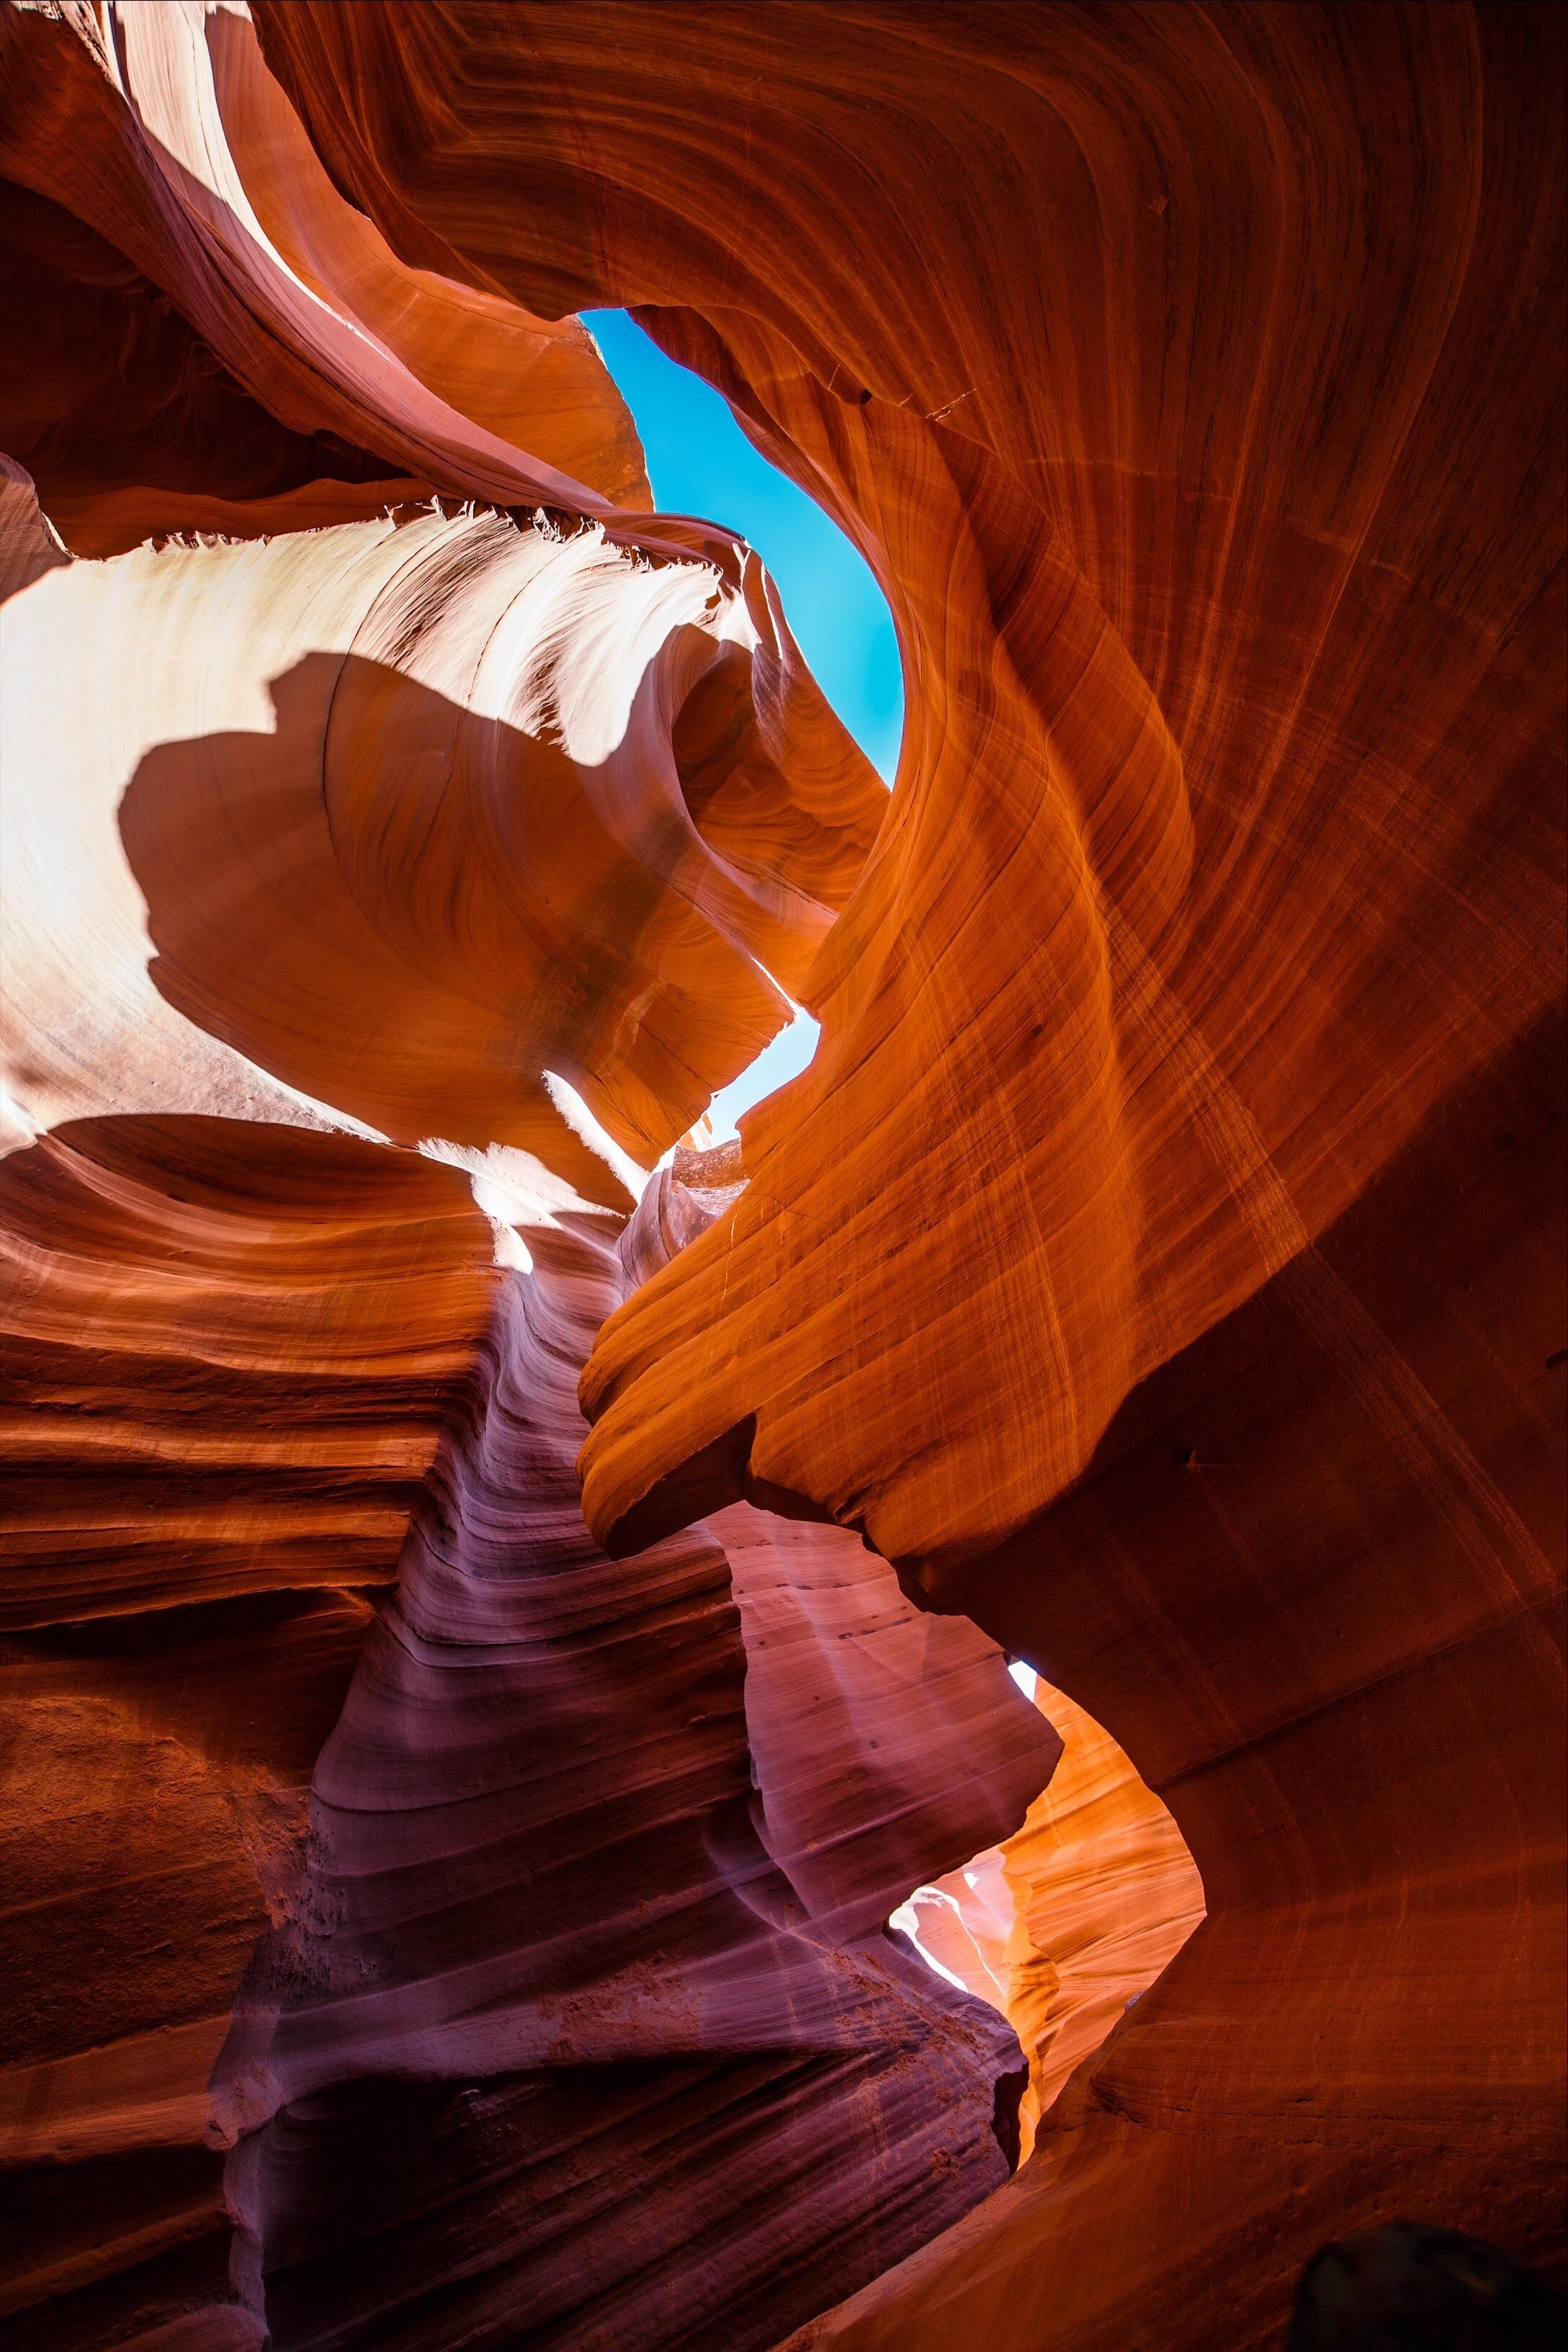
(937, 1726)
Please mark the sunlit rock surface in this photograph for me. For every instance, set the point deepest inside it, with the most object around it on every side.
(1069, 1922)
(217, 327)
(385, 1868)
(1161, 1259)
(397, 809)
(429, 1922)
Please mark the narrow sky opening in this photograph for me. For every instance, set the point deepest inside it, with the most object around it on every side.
(701, 463)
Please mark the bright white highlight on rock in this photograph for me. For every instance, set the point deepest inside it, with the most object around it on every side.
(588, 1130)
(906, 1919)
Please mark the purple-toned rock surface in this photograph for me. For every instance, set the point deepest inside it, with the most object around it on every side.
(565, 1968)
(421, 1927)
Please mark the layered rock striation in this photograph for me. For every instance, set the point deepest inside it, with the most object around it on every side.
(1071, 1919)
(438, 1920)
(392, 1899)
(554, 1979)
(1161, 1260)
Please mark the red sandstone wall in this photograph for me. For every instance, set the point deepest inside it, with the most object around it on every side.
(443, 1918)
(1138, 1263)
(1161, 1262)
(1070, 1920)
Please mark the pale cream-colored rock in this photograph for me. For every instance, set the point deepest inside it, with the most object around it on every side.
(391, 818)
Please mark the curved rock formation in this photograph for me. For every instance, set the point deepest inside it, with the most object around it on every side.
(554, 1977)
(1160, 1262)
(482, 828)
(172, 226)
(229, 1348)
(1160, 1259)
(1068, 1922)
(388, 806)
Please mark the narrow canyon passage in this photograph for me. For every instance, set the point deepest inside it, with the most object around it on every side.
(551, 1968)
(783, 1552)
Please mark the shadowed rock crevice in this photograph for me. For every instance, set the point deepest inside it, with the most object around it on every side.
(555, 1830)
(1161, 1260)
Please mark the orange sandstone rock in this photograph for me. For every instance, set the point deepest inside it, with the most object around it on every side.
(157, 152)
(229, 1349)
(1161, 1259)
(1161, 1262)
(1105, 1894)
(1069, 1921)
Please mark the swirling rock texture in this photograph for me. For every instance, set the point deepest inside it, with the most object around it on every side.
(376, 1959)
(229, 1348)
(221, 330)
(295, 748)
(1068, 1922)
(546, 1883)
(1160, 1262)
(1161, 1259)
